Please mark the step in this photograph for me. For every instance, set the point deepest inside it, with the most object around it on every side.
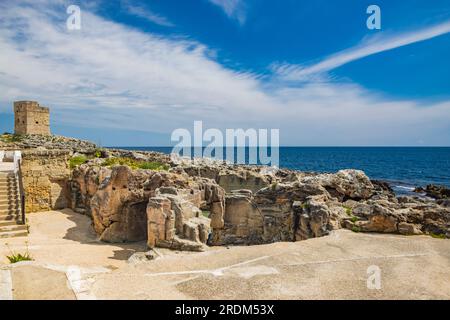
(13, 234)
(9, 223)
(16, 227)
(9, 199)
(8, 188)
(10, 212)
(6, 193)
(9, 207)
(5, 201)
(7, 181)
(9, 217)
(7, 184)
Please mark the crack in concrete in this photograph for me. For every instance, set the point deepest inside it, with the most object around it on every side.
(355, 259)
(215, 272)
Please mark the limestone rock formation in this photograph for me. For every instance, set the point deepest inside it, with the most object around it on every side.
(161, 207)
(47, 142)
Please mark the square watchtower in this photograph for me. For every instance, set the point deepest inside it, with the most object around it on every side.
(31, 118)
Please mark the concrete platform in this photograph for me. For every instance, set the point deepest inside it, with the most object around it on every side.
(72, 264)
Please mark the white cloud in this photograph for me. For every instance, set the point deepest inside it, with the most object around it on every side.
(366, 48)
(234, 9)
(109, 75)
(146, 13)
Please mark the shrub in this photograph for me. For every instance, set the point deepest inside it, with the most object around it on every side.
(356, 229)
(354, 219)
(135, 164)
(98, 153)
(76, 161)
(437, 235)
(153, 166)
(348, 210)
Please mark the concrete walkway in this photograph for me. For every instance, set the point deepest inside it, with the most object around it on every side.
(71, 264)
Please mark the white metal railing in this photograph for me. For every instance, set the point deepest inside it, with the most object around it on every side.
(17, 158)
(2, 155)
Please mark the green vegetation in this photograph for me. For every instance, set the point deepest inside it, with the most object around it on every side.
(135, 164)
(10, 138)
(98, 153)
(305, 205)
(274, 186)
(205, 213)
(356, 229)
(76, 161)
(17, 257)
(354, 219)
(348, 210)
(438, 235)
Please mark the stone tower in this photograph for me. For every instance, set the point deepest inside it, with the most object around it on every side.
(30, 118)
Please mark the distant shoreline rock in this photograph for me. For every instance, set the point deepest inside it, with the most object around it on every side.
(434, 191)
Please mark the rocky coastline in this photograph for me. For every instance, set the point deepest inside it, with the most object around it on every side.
(135, 196)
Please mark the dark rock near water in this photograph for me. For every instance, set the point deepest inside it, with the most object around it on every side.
(434, 191)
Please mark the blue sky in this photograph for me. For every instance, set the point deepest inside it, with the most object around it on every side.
(137, 70)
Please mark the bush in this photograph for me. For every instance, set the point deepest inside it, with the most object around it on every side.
(348, 210)
(437, 235)
(76, 161)
(135, 164)
(153, 166)
(98, 153)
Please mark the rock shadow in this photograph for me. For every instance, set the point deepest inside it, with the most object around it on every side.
(83, 232)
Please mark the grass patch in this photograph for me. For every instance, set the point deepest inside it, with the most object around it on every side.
(205, 213)
(437, 235)
(354, 219)
(76, 161)
(356, 229)
(135, 164)
(15, 257)
(348, 210)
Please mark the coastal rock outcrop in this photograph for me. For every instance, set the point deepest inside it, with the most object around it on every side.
(435, 192)
(314, 205)
(188, 206)
(164, 208)
(46, 142)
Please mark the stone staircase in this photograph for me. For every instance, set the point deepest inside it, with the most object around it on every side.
(10, 208)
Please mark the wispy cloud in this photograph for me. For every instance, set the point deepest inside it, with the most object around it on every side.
(108, 75)
(234, 9)
(366, 48)
(145, 13)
